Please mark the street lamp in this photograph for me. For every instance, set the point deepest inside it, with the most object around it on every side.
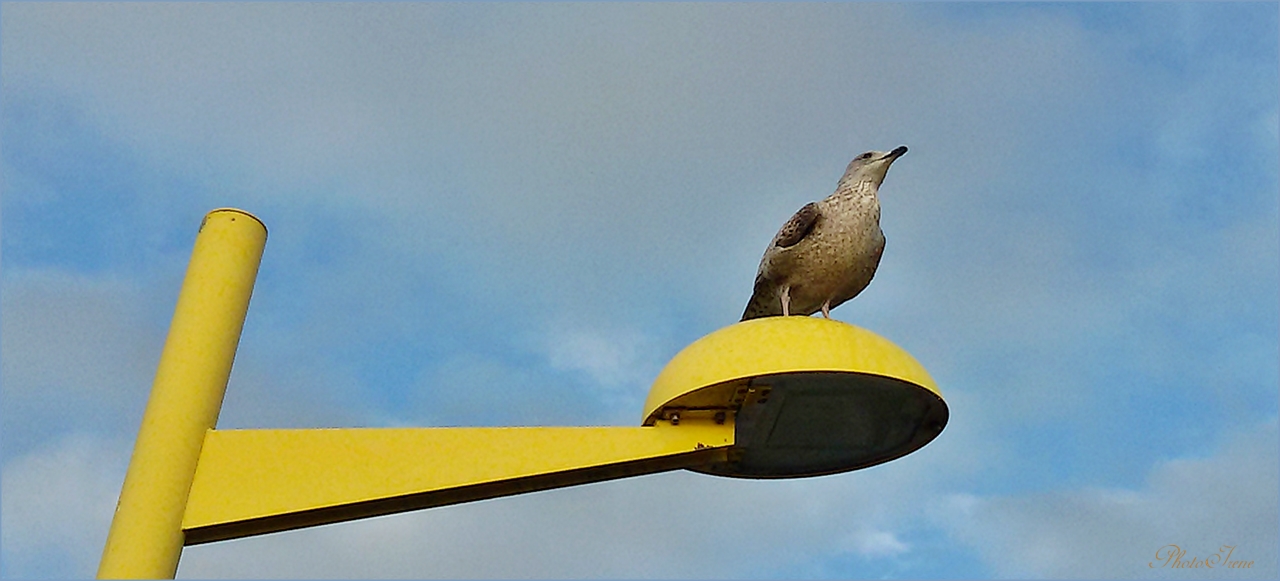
(778, 397)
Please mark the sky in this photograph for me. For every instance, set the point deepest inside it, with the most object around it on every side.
(515, 214)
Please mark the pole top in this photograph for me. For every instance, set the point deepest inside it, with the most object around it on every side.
(233, 213)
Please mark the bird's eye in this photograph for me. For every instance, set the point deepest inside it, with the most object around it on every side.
(866, 155)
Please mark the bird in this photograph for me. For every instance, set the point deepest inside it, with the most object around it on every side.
(828, 251)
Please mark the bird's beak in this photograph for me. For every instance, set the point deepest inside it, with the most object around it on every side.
(896, 153)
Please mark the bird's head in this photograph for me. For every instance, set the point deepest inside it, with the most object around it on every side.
(872, 166)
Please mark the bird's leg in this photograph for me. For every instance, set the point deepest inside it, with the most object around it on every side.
(826, 309)
(786, 301)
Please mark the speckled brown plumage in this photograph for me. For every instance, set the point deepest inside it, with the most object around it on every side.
(829, 250)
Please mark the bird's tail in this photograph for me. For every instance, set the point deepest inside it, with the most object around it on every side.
(763, 303)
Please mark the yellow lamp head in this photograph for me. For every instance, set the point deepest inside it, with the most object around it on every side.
(807, 397)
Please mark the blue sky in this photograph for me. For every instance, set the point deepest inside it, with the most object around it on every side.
(515, 214)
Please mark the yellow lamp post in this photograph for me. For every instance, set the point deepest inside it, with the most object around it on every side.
(778, 397)
(146, 537)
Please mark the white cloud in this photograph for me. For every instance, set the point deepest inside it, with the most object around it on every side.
(77, 353)
(58, 501)
(876, 543)
(1199, 504)
(73, 331)
(606, 360)
(470, 388)
(618, 366)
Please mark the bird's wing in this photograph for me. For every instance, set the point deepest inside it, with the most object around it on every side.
(764, 298)
(798, 226)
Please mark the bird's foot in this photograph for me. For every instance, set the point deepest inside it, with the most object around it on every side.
(786, 301)
(826, 310)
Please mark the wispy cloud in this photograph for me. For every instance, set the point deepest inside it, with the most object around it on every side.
(58, 501)
(1199, 504)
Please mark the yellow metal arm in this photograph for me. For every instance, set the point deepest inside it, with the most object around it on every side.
(251, 482)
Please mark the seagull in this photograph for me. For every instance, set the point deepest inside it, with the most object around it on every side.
(829, 250)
